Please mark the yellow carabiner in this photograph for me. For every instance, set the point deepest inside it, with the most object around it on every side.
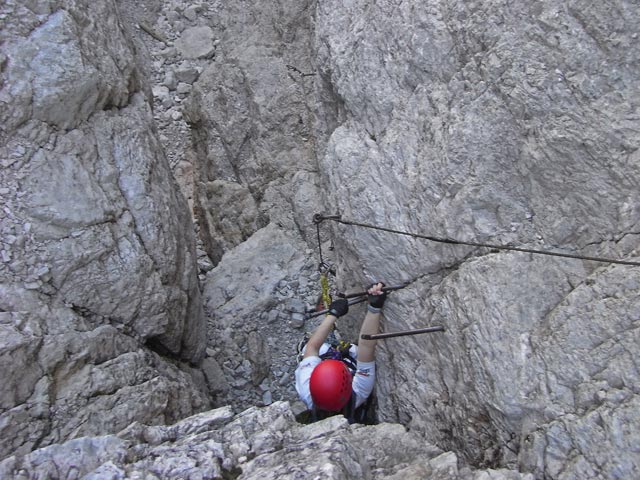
(324, 284)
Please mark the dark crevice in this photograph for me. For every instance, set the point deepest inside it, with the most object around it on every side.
(155, 345)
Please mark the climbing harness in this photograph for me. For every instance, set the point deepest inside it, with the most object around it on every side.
(340, 351)
(318, 218)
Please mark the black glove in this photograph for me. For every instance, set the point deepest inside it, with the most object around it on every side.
(339, 307)
(377, 301)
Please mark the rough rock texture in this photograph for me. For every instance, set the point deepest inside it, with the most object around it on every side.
(98, 253)
(255, 305)
(251, 123)
(488, 121)
(227, 99)
(484, 121)
(255, 444)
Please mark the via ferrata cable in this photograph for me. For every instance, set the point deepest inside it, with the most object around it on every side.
(338, 218)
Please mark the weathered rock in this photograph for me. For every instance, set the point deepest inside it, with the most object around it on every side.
(48, 77)
(237, 294)
(252, 124)
(170, 80)
(255, 444)
(98, 241)
(231, 224)
(214, 375)
(183, 88)
(161, 93)
(186, 73)
(196, 42)
(297, 320)
(191, 13)
(505, 126)
(475, 121)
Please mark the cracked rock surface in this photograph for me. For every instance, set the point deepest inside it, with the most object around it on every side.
(489, 122)
(258, 443)
(510, 124)
(98, 269)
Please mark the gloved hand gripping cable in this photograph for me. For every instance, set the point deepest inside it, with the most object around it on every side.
(354, 298)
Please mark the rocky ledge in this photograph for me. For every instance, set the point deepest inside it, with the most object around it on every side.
(259, 443)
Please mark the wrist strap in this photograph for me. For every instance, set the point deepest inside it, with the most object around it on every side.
(373, 309)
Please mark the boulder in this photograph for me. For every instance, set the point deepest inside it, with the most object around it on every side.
(196, 42)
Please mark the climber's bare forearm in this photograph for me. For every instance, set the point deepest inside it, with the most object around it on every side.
(319, 336)
(370, 326)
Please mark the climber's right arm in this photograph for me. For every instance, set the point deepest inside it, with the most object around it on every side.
(337, 309)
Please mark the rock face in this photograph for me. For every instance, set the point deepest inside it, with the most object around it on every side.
(500, 124)
(255, 305)
(255, 444)
(98, 265)
(252, 124)
(481, 121)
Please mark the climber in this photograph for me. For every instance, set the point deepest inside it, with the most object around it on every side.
(325, 383)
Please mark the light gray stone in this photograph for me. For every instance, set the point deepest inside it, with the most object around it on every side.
(183, 88)
(186, 73)
(196, 42)
(102, 251)
(239, 291)
(296, 305)
(546, 171)
(215, 377)
(297, 320)
(170, 80)
(50, 79)
(254, 125)
(161, 93)
(191, 13)
(490, 124)
(273, 316)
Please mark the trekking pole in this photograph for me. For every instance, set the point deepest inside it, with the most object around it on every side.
(378, 336)
(351, 301)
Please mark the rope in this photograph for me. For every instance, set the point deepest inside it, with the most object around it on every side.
(338, 218)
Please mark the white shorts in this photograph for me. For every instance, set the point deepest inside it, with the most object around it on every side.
(362, 383)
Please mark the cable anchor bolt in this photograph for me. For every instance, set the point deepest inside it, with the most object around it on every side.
(319, 218)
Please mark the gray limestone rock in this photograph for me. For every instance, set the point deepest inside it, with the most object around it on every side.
(214, 374)
(100, 270)
(47, 75)
(510, 124)
(196, 42)
(252, 125)
(258, 443)
(186, 73)
(238, 293)
(507, 126)
(170, 80)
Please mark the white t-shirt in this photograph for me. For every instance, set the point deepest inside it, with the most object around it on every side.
(362, 383)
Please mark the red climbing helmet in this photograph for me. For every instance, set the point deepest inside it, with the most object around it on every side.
(330, 385)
